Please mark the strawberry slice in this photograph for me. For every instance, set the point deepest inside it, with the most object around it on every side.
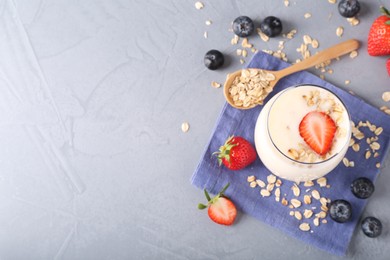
(221, 210)
(318, 130)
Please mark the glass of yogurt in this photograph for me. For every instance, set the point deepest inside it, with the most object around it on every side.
(278, 135)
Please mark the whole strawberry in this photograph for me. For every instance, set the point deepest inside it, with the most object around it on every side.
(221, 210)
(236, 154)
(379, 35)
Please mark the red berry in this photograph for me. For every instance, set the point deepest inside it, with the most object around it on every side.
(318, 130)
(379, 35)
(236, 154)
(221, 210)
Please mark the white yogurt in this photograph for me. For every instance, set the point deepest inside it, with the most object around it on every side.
(277, 133)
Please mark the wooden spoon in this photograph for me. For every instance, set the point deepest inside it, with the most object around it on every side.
(325, 55)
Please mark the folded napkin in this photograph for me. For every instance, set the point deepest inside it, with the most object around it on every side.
(331, 236)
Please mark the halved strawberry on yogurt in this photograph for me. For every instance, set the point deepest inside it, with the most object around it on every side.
(318, 130)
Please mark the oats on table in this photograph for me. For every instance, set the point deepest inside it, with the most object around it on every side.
(199, 5)
(185, 127)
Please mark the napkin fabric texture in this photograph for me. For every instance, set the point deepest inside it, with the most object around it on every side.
(332, 237)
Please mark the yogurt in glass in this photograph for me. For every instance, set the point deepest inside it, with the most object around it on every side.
(278, 141)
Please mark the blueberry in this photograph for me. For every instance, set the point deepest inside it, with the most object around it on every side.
(362, 188)
(349, 8)
(213, 59)
(243, 26)
(340, 210)
(271, 26)
(372, 227)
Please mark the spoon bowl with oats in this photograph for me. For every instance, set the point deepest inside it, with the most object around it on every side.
(247, 88)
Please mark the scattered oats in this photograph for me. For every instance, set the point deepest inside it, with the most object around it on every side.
(356, 147)
(246, 44)
(284, 202)
(277, 192)
(308, 213)
(304, 227)
(378, 165)
(270, 186)
(307, 15)
(307, 199)
(324, 221)
(322, 214)
(308, 183)
(215, 84)
(378, 131)
(251, 178)
(234, 40)
(208, 22)
(324, 208)
(332, 1)
(205, 35)
(351, 164)
(339, 31)
(387, 111)
(375, 146)
(376, 154)
(290, 34)
(353, 54)
(239, 52)
(278, 182)
(292, 213)
(244, 53)
(253, 184)
(277, 198)
(298, 215)
(322, 181)
(322, 77)
(353, 21)
(260, 183)
(296, 203)
(386, 96)
(316, 221)
(314, 44)
(296, 190)
(271, 178)
(346, 161)
(264, 37)
(286, 3)
(330, 71)
(315, 194)
(265, 193)
(185, 127)
(307, 39)
(347, 82)
(199, 5)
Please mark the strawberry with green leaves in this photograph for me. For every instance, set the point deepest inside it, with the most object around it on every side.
(221, 210)
(379, 35)
(236, 154)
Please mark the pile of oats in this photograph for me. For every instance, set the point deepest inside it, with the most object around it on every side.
(251, 87)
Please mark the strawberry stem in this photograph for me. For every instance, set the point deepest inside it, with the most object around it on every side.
(385, 11)
(207, 195)
(224, 189)
(201, 206)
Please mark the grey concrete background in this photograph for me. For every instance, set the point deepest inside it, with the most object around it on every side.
(107, 177)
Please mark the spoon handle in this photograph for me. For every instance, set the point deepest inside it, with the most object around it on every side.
(327, 54)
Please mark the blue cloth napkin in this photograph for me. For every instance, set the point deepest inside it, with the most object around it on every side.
(331, 236)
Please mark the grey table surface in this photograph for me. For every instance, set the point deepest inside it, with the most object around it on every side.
(94, 164)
